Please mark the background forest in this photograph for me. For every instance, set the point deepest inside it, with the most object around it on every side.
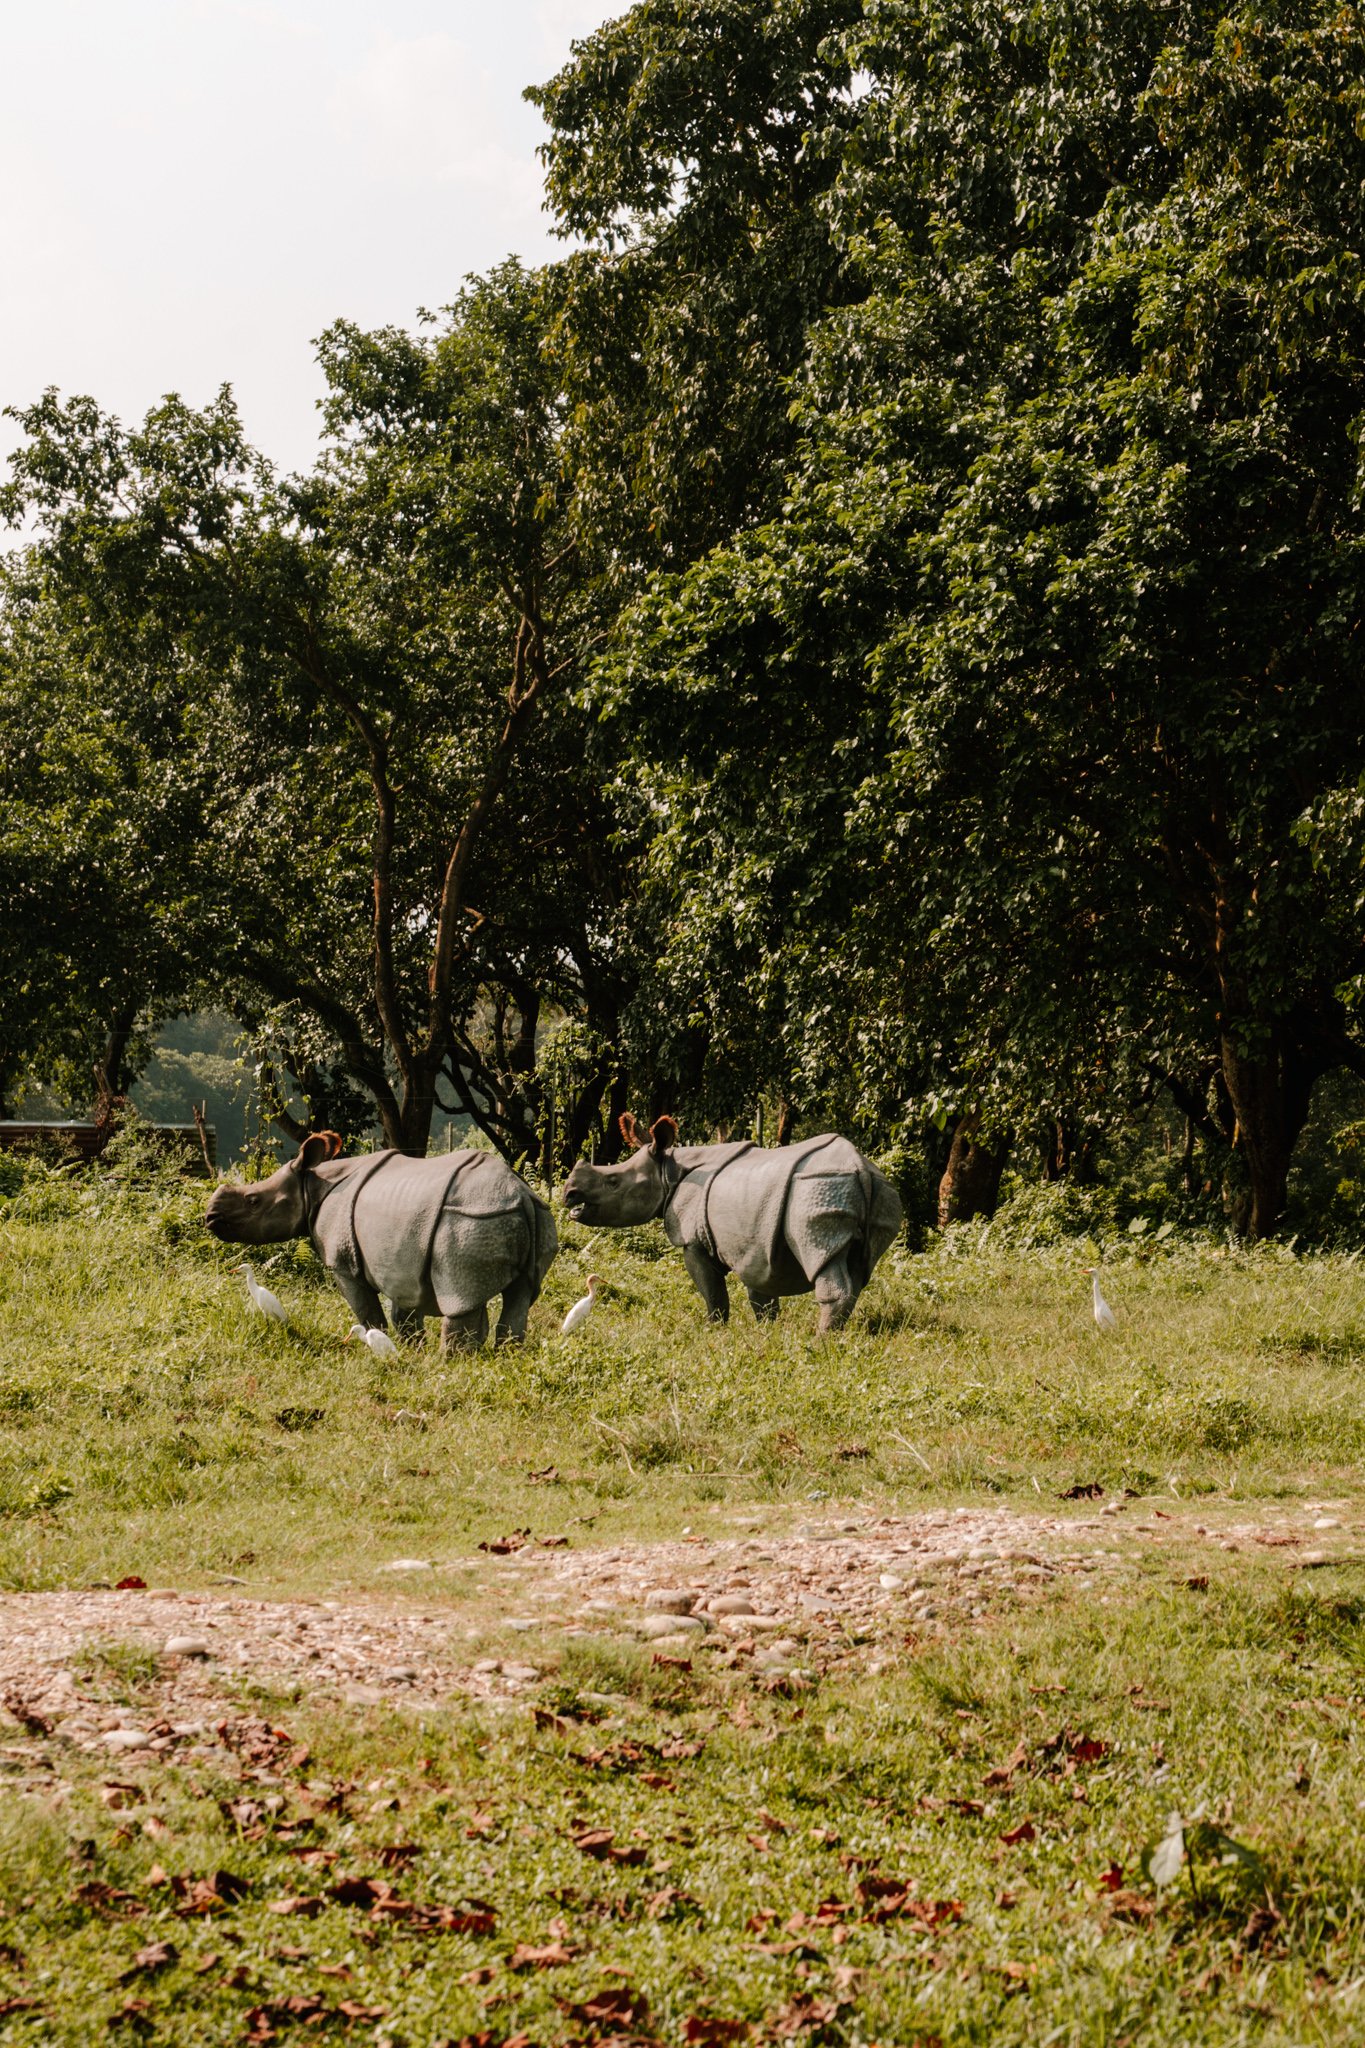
(870, 638)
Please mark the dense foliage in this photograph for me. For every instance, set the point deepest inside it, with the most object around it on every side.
(872, 636)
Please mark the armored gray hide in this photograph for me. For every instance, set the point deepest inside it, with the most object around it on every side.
(439, 1236)
(792, 1220)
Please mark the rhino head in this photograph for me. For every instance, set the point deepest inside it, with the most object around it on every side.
(632, 1191)
(271, 1210)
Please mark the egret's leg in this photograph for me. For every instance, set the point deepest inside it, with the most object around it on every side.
(516, 1307)
(468, 1332)
(764, 1306)
(708, 1277)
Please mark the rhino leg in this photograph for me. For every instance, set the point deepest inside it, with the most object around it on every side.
(361, 1299)
(837, 1287)
(708, 1277)
(764, 1306)
(516, 1307)
(410, 1324)
(467, 1332)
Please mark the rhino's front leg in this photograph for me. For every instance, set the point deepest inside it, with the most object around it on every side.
(362, 1299)
(467, 1332)
(410, 1324)
(836, 1289)
(516, 1307)
(708, 1277)
(764, 1306)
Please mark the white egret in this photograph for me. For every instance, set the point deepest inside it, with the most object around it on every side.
(261, 1298)
(379, 1341)
(581, 1310)
(1105, 1319)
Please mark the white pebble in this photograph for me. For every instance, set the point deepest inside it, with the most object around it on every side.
(126, 1738)
(654, 1626)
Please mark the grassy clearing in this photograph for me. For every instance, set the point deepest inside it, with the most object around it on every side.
(837, 1863)
(859, 1864)
(150, 1422)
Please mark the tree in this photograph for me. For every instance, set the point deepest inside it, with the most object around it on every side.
(407, 883)
(1010, 749)
(101, 881)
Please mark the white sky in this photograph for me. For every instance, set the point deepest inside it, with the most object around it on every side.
(190, 190)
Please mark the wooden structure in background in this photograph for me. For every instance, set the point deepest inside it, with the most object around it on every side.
(86, 1140)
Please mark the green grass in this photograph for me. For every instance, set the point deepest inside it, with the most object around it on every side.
(1018, 1941)
(150, 1424)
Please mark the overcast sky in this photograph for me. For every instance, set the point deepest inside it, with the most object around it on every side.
(190, 190)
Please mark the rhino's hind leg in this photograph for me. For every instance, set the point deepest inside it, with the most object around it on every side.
(708, 1277)
(516, 1307)
(764, 1306)
(467, 1332)
(410, 1324)
(837, 1287)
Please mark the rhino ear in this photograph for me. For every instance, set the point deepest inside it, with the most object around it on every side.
(630, 1130)
(316, 1149)
(663, 1136)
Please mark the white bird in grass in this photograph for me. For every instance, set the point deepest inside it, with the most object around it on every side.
(379, 1341)
(1105, 1319)
(261, 1298)
(581, 1310)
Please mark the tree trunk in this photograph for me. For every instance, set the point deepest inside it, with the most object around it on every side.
(1069, 1157)
(412, 1129)
(112, 1078)
(1270, 1096)
(971, 1180)
(613, 1144)
(786, 1122)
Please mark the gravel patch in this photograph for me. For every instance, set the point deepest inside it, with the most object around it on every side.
(821, 1596)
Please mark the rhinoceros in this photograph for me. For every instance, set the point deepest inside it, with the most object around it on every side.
(815, 1216)
(439, 1236)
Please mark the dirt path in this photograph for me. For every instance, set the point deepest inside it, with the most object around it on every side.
(820, 1596)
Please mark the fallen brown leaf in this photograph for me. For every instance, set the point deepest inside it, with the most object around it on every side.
(117, 1796)
(158, 1955)
(553, 1956)
(295, 1907)
(617, 2006)
(28, 1717)
(1002, 1774)
(702, 2030)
